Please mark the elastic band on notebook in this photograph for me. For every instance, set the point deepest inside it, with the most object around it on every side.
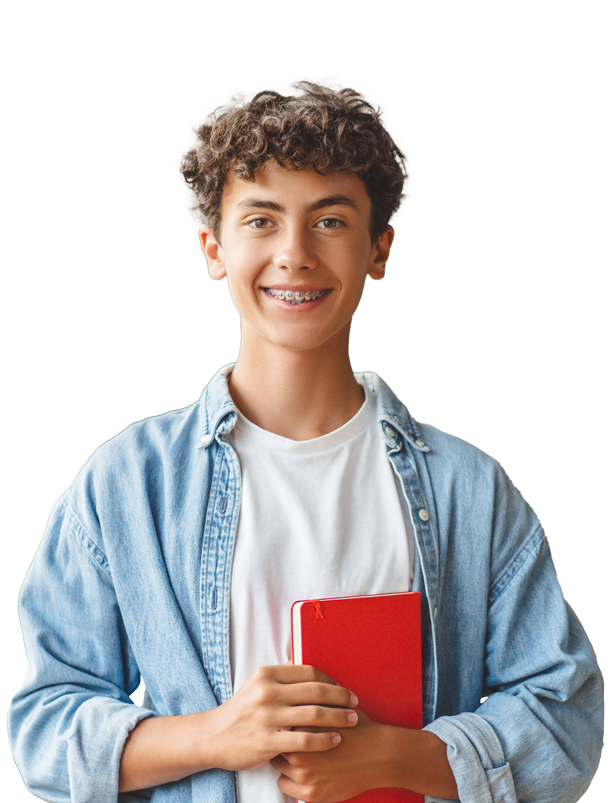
(316, 604)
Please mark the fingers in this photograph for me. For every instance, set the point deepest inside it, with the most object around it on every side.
(317, 716)
(294, 790)
(306, 685)
(306, 742)
(280, 763)
(315, 693)
(296, 673)
(295, 779)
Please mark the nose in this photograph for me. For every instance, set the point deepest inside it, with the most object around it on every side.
(295, 250)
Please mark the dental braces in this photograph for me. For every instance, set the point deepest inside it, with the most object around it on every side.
(296, 297)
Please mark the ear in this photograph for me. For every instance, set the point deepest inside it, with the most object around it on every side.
(212, 251)
(380, 253)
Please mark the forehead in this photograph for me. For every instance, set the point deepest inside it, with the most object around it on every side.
(294, 189)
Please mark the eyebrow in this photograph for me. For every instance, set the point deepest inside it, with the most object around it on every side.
(331, 200)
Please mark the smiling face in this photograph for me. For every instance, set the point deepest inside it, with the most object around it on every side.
(295, 231)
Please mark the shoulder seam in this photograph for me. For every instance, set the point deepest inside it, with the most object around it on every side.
(531, 545)
(96, 555)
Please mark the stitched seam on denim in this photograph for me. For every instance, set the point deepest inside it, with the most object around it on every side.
(415, 427)
(232, 526)
(205, 557)
(204, 417)
(97, 556)
(531, 546)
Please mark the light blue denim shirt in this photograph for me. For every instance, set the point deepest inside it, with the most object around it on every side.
(133, 576)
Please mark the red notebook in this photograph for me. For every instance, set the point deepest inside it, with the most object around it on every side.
(371, 645)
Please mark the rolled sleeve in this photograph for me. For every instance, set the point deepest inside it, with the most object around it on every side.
(477, 760)
(70, 720)
(538, 735)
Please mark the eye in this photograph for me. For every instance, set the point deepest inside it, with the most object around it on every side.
(330, 223)
(259, 223)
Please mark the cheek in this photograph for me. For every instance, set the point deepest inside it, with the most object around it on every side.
(353, 255)
(355, 268)
(240, 270)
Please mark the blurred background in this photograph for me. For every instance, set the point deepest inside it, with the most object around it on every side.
(547, 428)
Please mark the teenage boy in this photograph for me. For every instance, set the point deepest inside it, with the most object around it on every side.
(177, 553)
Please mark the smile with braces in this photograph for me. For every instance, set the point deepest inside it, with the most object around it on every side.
(296, 297)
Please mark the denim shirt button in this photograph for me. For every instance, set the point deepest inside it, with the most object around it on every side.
(423, 515)
(389, 431)
(420, 443)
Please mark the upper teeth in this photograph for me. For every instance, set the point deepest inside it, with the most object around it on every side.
(296, 297)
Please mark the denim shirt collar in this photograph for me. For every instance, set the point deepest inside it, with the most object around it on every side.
(393, 413)
(219, 414)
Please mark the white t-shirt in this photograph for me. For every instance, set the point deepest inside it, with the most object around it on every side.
(319, 518)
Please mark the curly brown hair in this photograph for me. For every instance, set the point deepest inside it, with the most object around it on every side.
(324, 129)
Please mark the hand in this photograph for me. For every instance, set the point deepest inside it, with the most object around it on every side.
(358, 763)
(257, 722)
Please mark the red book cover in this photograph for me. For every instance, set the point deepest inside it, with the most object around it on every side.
(371, 645)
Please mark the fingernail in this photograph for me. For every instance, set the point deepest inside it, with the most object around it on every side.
(353, 717)
(354, 700)
(336, 738)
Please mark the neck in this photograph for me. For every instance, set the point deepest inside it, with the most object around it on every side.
(297, 394)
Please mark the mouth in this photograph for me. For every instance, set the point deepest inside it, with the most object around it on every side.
(296, 297)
